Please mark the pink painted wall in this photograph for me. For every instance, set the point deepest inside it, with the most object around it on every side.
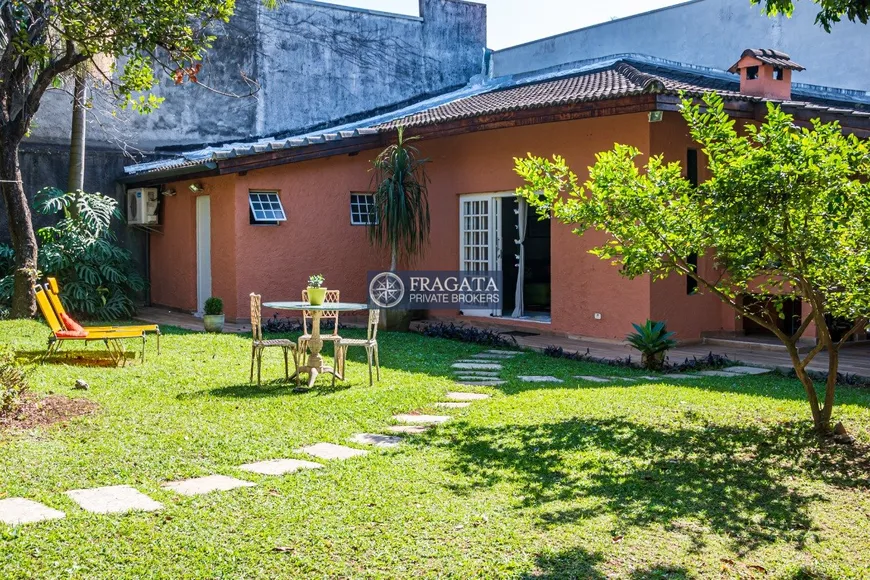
(275, 261)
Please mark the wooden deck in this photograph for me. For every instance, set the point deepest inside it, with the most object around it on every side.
(854, 359)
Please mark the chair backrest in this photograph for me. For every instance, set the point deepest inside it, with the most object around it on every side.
(256, 317)
(55, 302)
(46, 309)
(331, 296)
(374, 319)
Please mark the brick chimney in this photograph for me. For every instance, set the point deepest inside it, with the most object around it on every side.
(765, 72)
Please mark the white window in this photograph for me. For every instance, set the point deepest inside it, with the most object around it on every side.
(362, 209)
(266, 208)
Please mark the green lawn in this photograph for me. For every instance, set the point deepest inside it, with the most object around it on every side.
(706, 478)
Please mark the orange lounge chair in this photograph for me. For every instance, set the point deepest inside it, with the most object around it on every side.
(52, 290)
(112, 338)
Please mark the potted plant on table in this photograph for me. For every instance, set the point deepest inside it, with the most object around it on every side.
(653, 341)
(213, 315)
(316, 290)
(400, 220)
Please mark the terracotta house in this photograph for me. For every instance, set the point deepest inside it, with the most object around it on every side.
(262, 216)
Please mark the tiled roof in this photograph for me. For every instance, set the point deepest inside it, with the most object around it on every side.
(622, 80)
(619, 76)
(768, 56)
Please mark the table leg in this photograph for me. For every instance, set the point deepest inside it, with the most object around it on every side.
(315, 345)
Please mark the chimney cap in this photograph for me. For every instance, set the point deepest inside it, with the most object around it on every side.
(767, 56)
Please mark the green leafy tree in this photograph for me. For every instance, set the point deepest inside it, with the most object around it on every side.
(39, 41)
(832, 11)
(400, 220)
(786, 213)
(97, 276)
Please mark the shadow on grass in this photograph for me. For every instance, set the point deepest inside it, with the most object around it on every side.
(85, 358)
(733, 481)
(576, 563)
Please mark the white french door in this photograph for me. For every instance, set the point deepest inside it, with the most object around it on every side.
(480, 238)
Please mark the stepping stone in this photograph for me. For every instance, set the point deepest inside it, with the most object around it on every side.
(332, 451)
(467, 396)
(466, 373)
(408, 429)
(678, 376)
(747, 370)
(489, 357)
(15, 511)
(651, 378)
(476, 383)
(452, 405)
(539, 379)
(507, 353)
(477, 366)
(718, 374)
(593, 379)
(114, 499)
(208, 484)
(376, 440)
(422, 419)
(630, 380)
(279, 466)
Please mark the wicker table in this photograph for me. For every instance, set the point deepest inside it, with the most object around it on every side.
(315, 364)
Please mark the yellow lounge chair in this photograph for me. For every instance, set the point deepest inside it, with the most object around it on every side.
(112, 338)
(53, 291)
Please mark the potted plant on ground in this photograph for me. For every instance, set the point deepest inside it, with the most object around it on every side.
(401, 211)
(653, 341)
(316, 290)
(213, 315)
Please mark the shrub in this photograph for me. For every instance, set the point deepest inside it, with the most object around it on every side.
(13, 383)
(709, 362)
(469, 334)
(653, 340)
(315, 281)
(96, 275)
(214, 306)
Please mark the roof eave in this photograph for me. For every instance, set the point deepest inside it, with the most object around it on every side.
(204, 169)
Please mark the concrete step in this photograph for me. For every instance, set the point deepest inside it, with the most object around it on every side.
(744, 344)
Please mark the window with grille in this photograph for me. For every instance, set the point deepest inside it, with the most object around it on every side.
(266, 208)
(362, 209)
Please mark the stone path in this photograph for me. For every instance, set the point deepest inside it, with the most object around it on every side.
(115, 499)
(331, 451)
(208, 484)
(123, 498)
(15, 511)
(538, 379)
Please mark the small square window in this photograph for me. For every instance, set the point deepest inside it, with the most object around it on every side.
(778, 73)
(362, 209)
(266, 208)
(751, 73)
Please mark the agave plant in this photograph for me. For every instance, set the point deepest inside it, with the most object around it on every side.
(653, 340)
(401, 203)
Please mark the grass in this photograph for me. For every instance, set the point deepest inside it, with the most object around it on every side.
(715, 477)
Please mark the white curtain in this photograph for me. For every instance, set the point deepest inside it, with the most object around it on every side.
(522, 220)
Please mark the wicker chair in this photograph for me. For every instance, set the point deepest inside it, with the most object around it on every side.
(259, 344)
(331, 296)
(370, 343)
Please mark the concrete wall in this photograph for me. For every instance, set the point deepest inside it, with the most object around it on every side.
(275, 261)
(711, 33)
(314, 63)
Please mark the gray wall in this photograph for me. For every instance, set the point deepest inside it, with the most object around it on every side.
(711, 33)
(313, 62)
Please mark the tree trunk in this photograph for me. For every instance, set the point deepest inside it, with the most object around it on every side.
(20, 229)
(76, 176)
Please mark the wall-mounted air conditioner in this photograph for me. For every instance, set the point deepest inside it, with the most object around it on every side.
(142, 206)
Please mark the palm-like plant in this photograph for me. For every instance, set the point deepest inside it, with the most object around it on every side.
(652, 339)
(401, 204)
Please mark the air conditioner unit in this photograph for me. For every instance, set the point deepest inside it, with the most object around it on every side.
(142, 206)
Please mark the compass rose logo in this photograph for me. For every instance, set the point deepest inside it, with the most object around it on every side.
(386, 290)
